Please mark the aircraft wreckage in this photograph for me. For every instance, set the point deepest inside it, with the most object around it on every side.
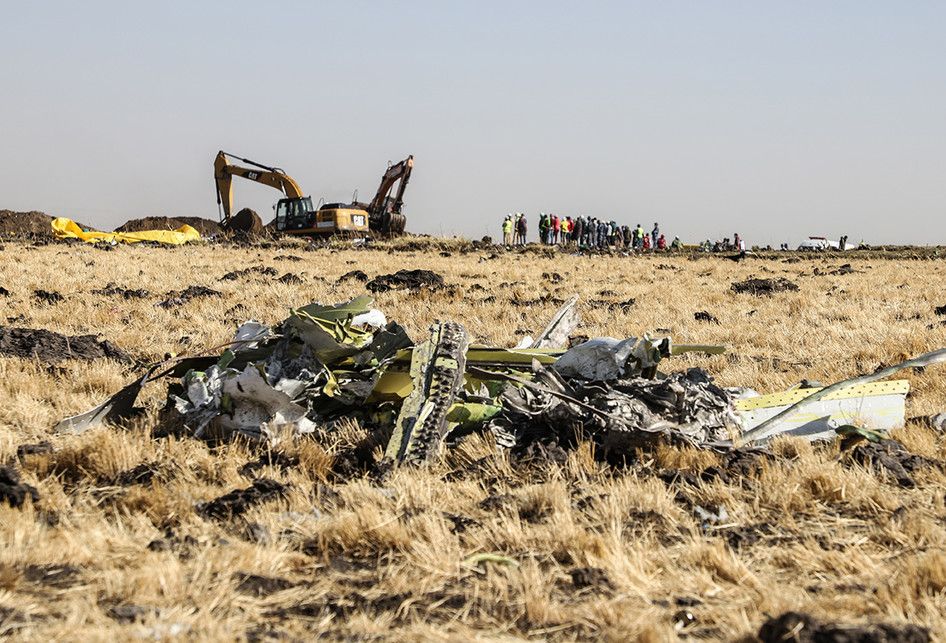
(324, 364)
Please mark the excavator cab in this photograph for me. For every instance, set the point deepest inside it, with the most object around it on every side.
(295, 214)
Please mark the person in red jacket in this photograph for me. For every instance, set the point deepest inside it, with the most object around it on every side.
(556, 226)
(661, 243)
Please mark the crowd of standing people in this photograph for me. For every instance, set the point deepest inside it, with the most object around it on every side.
(586, 232)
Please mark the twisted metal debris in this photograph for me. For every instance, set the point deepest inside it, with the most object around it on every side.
(326, 363)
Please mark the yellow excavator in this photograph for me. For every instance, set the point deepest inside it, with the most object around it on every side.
(384, 211)
(295, 214)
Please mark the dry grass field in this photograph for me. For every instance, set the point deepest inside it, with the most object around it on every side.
(114, 548)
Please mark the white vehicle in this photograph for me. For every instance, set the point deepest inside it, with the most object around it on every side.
(819, 243)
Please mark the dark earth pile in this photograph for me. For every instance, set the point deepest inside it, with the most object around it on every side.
(406, 280)
(31, 225)
(12, 491)
(205, 227)
(804, 628)
(181, 297)
(763, 287)
(51, 348)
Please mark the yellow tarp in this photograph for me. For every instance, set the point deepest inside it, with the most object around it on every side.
(67, 229)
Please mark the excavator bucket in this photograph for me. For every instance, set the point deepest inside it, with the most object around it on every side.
(389, 224)
(245, 222)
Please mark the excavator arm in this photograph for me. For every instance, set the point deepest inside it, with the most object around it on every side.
(399, 171)
(384, 211)
(224, 172)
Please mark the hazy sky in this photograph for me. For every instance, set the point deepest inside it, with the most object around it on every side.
(775, 120)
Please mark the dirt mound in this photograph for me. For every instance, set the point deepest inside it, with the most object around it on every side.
(181, 297)
(51, 348)
(205, 227)
(25, 225)
(12, 491)
(238, 501)
(803, 628)
(406, 280)
(763, 287)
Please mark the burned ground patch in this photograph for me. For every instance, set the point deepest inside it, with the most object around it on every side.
(181, 297)
(763, 287)
(239, 501)
(353, 275)
(411, 280)
(50, 297)
(51, 348)
(705, 316)
(114, 290)
(262, 271)
(804, 628)
(13, 491)
(893, 458)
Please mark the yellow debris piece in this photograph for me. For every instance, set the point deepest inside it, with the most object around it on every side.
(795, 395)
(68, 229)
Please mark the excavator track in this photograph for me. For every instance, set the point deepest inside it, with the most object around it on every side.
(437, 369)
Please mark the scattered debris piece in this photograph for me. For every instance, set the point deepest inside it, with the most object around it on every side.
(937, 421)
(779, 423)
(682, 619)
(884, 402)
(412, 280)
(287, 258)
(940, 310)
(763, 287)
(50, 297)
(704, 316)
(709, 517)
(115, 409)
(799, 627)
(239, 501)
(114, 290)
(553, 277)
(4, 292)
(180, 298)
(563, 324)
(437, 371)
(51, 348)
(12, 491)
(497, 559)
